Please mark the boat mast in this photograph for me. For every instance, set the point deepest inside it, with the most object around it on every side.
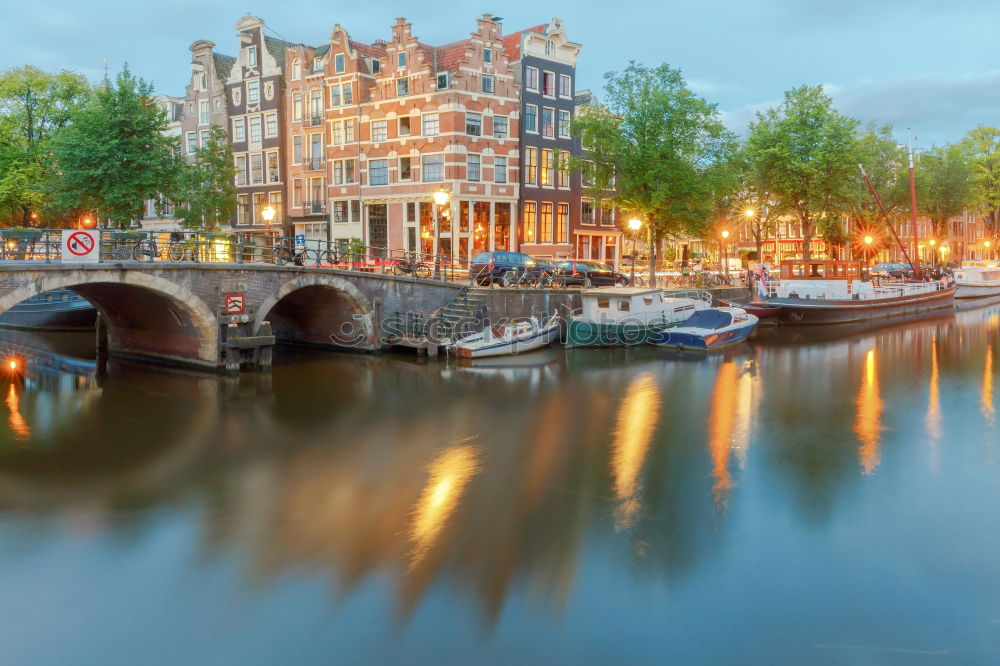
(878, 200)
(913, 210)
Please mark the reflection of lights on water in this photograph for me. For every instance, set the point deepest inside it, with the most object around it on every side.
(868, 424)
(448, 475)
(18, 425)
(933, 405)
(989, 411)
(638, 416)
(721, 421)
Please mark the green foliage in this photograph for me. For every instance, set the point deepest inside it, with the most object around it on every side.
(206, 195)
(982, 145)
(114, 155)
(885, 162)
(806, 153)
(944, 184)
(657, 150)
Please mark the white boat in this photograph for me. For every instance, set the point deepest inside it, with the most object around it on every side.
(708, 329)
(622, 316)
(515, 337)
(977, 281)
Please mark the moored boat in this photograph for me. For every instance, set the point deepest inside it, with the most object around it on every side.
(55, 310)
(813, 291)
(621, 316)
(515, 337)
(977, 281)
(707, 330)
(762, 311)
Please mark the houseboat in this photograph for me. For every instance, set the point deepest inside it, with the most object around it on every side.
(55, 310)
(977, 280)
(815, 291)
(616, 316)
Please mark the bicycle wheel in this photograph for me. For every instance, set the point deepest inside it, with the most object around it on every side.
(557, 282)
(306, 257)
(422, 271)
(508, 279)
(400, 267)
(141, 251)
(281, 256)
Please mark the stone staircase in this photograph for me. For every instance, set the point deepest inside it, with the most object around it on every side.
(463, 314)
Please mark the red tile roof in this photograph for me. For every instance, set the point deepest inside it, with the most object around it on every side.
(372, 51)
(512, 42)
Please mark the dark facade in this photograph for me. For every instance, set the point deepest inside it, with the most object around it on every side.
(255, 91)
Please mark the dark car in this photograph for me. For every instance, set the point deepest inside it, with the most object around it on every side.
(488, 267)
(891, 270)
(590, 273)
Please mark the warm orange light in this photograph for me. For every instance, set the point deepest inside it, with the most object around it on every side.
(933, 242)
(749, 213)
(13, 364)
(635, 224)
(725, 234)
(869, 240)
(441, 197)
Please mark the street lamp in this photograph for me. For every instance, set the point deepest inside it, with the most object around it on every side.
(85, 222)
(989, 255)
(441, 199)
(634, 225)
(725, 250)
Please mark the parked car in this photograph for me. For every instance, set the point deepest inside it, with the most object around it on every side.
(590, 273)
(489, 267)
(891, 270)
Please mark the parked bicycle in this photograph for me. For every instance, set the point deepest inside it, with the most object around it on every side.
(411, 265)
(551, 280)
(146, 250)
(286, 254)
(522, 278)
(180, 250)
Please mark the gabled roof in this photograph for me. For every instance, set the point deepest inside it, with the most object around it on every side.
(512, 42)
(223, 65)
(277, 48)
(449, 56)
(321, 51)
(370, 50)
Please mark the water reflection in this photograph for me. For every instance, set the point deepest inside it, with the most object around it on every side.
(638, 416)
(18, 426)
(724, 406)
(868, 424)
(988, 409)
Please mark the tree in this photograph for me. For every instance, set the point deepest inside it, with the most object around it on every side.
(206, 195)
(983, 146)
(752, 203)
(114, 155)
(657, 150)
(945, 185)
(805, 151)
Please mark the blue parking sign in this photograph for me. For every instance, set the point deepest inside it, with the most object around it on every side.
(300, 240)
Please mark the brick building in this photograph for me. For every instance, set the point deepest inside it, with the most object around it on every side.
(204, 103)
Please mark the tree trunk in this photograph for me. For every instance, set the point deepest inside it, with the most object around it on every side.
(807, 234)
(652, 255)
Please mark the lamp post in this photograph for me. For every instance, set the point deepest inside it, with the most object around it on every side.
(933, 258)
(634, 225)
(989, 254)
(441, 199)
(725, 250)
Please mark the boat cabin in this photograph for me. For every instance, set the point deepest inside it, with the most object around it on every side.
(821, 278)
(977, 274)
(614, 304)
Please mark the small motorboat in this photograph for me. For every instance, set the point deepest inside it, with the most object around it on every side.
(514, 337)
(977, 280)
(762, 311)
(708, 329)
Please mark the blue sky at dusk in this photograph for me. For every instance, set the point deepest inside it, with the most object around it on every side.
(926, 64)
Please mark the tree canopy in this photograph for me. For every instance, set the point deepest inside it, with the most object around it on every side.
(206, 192)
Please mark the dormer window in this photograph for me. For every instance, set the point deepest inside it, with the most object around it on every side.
(401, 60)
(296, 69)
(442, 81)
(549, 48)
(376, 65)
(317, 65)
(402, 87)
(487, 55)
(251, 56)
(338, 63)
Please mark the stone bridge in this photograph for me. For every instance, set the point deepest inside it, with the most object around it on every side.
(177, 313)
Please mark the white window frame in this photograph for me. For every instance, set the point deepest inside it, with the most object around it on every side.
(424, 118)
(239, 130)
(528, 129)
(401, 60)
(339, 64)
(383, 127)
(423, 168)
(271, 123)
(527, 79)
(500, 169)
(473, 166)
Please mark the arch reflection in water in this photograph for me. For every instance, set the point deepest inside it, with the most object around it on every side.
(638, 416)
(448, 475)
(868, 424)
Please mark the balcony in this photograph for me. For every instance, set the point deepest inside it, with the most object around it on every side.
(314, 207)
(314, 164)
(315, 120)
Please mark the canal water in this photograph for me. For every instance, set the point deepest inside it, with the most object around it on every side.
(817, 496)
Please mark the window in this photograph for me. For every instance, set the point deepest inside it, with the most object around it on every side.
(316, 107)
(430, 123)
(488, 84)
(202, 81)
(192, 142)
(255, 129)
(528, 222)
(241, 170)
(273, 175)
(253, 92)
(242, 209)
(562, 223)
(548, 159)
(252, 56)
(487, 55)
(203, 112)
(562, 174)
(341, 212)
(343, 172)
(530, 166)
(334, 96)
(379, 131)
(348, 91)
(548, 123)
(239, 130)
(545, 224)
(375, 65)
(564, 124)
(317, 66)
(607, 217)
(404, 126)
(296, 192)
(338, 63)
(338, 132)
(432, 168)
(405, 168)
(205, 136)
(586, 211)
(549, 84)
(401, 60)
(271, 124)
(589, 174)
(402, 87)
(500, 169)
(297, 149)
(297, 106)
(473, 124)
(256, 169)
(565, 85)
(442, 80)
(378, 172)
(549, 48)
(500, 127)
(296, 69)
(472, 167)
(259, 201)
(531, 79)
(348, 131)
(315, 150)
(530, 118)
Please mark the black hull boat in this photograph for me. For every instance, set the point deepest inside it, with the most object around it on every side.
(56, 310)
(819, 311)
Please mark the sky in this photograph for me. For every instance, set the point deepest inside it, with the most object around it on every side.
(928, 65)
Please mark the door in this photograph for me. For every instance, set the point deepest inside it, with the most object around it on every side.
(378, 229)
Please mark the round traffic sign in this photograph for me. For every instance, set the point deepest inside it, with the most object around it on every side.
(80, 244)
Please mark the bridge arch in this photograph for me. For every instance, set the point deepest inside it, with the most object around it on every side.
(146, 314)
(319, 309)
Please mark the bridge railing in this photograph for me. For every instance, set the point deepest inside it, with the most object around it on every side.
(140, 245)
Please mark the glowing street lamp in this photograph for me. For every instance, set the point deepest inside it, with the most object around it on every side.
(634, 225)
(725, 250)
(989, 255)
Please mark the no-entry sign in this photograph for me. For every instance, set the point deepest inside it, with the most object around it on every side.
(81, 247)
(234, 304)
